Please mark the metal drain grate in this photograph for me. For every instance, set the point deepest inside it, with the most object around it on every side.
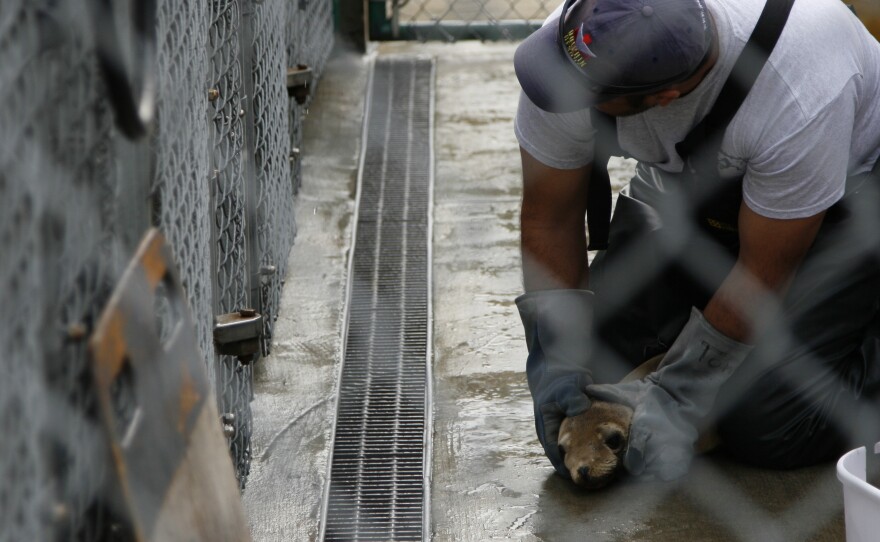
(381, 448)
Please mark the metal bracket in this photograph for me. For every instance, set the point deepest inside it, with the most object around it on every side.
(299, 80)
(238, 334)
(228, 422)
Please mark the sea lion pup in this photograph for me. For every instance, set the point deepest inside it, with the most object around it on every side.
(593, 443)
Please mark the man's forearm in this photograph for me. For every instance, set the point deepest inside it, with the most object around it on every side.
(731, 310)
(771, 251)
(552, 226)
(554, 255)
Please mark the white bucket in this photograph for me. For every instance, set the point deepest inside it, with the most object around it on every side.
(861, 500)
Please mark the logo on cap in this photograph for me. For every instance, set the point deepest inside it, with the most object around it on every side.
(583, 41)
(576, 45)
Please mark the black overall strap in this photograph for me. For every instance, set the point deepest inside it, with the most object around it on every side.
(599, 189)
(702, 143)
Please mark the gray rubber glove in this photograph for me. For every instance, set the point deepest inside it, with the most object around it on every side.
(670, 403)
(557, 326)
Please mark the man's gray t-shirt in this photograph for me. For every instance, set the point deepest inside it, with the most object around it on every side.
(812, 117)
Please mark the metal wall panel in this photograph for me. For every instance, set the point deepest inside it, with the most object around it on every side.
(76, 194)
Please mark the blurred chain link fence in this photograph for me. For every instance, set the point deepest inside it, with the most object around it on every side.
(450, 20)
(217, 174)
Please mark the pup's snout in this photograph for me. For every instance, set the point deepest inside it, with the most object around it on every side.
(585, 478)
(584, 473)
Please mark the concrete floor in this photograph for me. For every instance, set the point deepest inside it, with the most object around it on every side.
(490, 478)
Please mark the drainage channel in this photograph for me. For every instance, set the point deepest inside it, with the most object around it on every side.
(380, 463)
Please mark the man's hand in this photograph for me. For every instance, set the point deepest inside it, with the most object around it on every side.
(672, 402)
(556, 396)
(557, 325)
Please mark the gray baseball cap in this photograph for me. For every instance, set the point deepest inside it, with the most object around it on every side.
(600, 49)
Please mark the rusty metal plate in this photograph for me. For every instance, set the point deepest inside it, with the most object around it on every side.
(173, 471)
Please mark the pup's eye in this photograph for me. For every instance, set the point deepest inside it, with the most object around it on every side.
(614, 442)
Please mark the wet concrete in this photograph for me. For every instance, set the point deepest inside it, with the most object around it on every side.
(490, 478)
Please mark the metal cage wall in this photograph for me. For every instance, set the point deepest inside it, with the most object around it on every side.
(215, 169)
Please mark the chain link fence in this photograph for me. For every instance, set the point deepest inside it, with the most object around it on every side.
(451, 20)
(216, 174)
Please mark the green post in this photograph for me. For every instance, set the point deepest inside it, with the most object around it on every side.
(380, 22)
(350, 22)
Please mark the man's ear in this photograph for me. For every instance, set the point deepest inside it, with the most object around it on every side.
(663, 98)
